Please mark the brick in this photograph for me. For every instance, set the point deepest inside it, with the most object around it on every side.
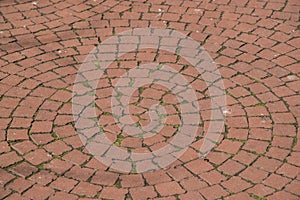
(276, 181)
(231, 167)
(74, 141)
(193, 183)
(293, 187)
(237, 122)
(61, 96)
(64, 131)
(238, 133)
(256, 146)
(245, 157)
(62, 195)
(278, 153)
(284, 61)
(15, 196)
(282, 48)
(213, 192)
(244, 27)
(24, 169)
(248, 38)
(261, 190)
(37, 157)
(267, 164)
(267, 54)
(131, 180)
(43, 177)
(5, 177)
(282, 194)
(105, 178)
(13, 57)
(24, 147)
(20, 185)
(38, 192)
(113, 193)
(229, 146)
(4, 193)
(225, 61)
(9, 159)
(213, 177)
(198, 166)
(41, 139)
(288, 170)
(4, 147)
(17, 134)
(145, 192)
(76, 156)
(156, 177)
(294, 158)
(242, 195)
(64, 184)
(57, 147)
(190, 195)
(284, 142)
(179, 173)
(217, 157)
(80, 173)
(23, 111)
(86, 189)
(58, 166)
(169, 188)
(284, 118)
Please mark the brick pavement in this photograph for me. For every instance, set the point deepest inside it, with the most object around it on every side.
(256, 46)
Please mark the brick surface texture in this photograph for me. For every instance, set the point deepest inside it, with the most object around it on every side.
(255, 44)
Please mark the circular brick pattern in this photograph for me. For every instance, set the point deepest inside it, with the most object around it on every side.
(186, 121)
(255, 45)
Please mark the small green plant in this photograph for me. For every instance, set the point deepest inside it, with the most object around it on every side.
(119, 140)
(260, 104)
(257, 197)
(118, 184)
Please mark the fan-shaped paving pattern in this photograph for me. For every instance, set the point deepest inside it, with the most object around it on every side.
(256, 47)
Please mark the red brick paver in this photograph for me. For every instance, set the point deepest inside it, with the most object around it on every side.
(256, 47)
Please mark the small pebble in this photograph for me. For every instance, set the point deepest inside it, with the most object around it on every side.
(291, 77)
(226, 111)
